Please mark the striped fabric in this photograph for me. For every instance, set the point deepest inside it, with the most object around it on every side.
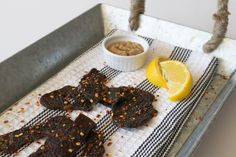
(158, 136)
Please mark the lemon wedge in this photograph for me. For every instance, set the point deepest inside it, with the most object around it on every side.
(172, 75)
(178, 78)
(154, 73)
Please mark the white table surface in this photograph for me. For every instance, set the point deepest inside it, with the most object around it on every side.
(24, 22)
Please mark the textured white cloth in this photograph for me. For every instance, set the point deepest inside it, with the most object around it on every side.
(153, 139)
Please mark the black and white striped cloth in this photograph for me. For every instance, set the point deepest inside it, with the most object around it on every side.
(154, 139)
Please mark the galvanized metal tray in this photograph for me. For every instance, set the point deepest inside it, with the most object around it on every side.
(32, 66)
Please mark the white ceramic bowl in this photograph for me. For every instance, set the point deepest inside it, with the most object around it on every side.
(125, 63)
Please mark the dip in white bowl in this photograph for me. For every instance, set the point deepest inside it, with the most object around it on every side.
(123, 62)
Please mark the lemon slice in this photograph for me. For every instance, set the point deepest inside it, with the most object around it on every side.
(178, 78)
(154, 73)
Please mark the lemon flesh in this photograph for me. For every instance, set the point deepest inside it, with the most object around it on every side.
(154, 73)
(178, 78)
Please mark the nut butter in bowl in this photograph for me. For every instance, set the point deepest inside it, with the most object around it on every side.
(125, 52)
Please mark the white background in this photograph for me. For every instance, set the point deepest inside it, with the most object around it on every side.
(23, 22)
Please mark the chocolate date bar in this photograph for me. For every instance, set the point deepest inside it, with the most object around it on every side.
(135, 109)
(67, 98)
(82, 97)
(11, 142)
(94, 146)
(60, 129)
(57, 147)
(93, 85)
(93, 77)
(67, 138)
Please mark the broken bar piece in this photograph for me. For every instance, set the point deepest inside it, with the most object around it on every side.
(67, 138)
(94, 146)
(135, 109)
(83, 97)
